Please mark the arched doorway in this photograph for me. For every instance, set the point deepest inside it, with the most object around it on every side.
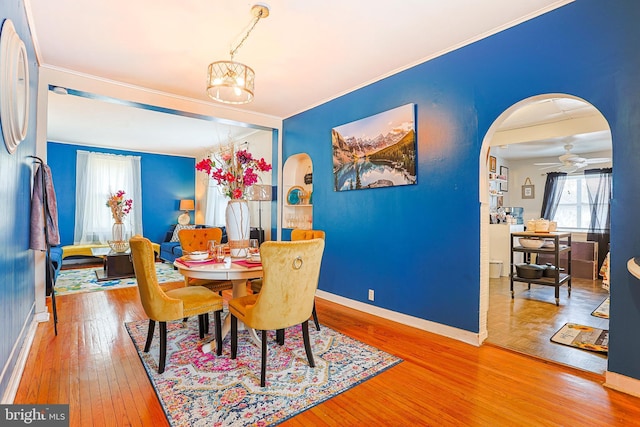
(530, 138)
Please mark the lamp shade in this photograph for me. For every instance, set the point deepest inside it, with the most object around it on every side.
(260, 193)
(230, 82)
(187, 205)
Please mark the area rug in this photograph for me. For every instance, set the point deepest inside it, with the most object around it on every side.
(583, 337)
(198, 389)
(602, 310)
(84, 280)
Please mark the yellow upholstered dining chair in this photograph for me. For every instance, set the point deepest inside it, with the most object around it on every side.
(290, 280)
(197, 239)
(296, 234)
(175, 304)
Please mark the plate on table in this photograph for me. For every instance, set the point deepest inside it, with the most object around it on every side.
(294, 195)
(254, 260)
(188, 259)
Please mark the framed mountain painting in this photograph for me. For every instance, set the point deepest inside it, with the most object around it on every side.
(377, 151)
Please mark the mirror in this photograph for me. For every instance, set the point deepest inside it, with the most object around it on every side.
(14, 85)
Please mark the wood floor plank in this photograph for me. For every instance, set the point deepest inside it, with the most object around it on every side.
(93, 365)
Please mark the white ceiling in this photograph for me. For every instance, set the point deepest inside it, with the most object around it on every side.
(305, 53)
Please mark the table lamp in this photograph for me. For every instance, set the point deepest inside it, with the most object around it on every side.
(186, 206)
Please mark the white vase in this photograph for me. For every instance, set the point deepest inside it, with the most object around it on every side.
(237, 225)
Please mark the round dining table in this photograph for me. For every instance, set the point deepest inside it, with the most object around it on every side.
(238, 271)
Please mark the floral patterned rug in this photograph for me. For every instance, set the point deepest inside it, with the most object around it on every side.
(84, 280)
(200, 389)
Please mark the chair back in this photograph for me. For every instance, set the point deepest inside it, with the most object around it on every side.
(157, 305)
(197, 239)
(291, 271)
(297, 234)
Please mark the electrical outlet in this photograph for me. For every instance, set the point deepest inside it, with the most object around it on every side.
(370, 294)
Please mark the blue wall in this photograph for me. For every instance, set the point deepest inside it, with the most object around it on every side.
(418, 246)
(17, 282)
(165, 180)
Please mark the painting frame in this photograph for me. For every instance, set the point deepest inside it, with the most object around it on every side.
(504, 185)
(376, 151)
(492, 164)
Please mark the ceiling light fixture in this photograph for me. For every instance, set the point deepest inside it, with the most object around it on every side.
(231, 82)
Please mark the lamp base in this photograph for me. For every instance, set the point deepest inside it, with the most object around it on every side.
(184, 219)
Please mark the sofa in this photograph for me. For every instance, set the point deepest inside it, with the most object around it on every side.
(169, 250)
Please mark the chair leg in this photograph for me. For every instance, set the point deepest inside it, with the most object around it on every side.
(280, 336)
(206, 323)
(234, 336)
(152, 327)
(315, 317)
(201, 325)
(163, 346)
(263, 367)
(307, 343)
(218, 327)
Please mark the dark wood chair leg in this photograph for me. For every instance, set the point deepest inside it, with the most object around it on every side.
(307, 343)
(280, 336)
(234, 336)
(263, 367)
(206, 323)
(152, 327)
(218, 331)
(315, 317)
(163, 346)
(201, 326)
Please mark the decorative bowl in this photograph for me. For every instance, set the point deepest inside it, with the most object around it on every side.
(118, 245)
(199, 255)
(531, 243)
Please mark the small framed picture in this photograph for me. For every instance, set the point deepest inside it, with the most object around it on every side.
(528, 192)
(492, 164)
(504, 172)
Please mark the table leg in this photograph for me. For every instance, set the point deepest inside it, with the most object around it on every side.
(239, 290)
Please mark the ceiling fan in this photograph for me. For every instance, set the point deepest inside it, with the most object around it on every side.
(570, 162)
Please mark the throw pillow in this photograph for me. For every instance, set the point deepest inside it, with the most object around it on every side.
(179, 227)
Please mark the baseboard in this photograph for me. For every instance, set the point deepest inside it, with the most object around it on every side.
(425, 325)
(26, 337)
(622, 383)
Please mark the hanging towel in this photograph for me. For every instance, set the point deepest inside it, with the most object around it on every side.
(37, 241)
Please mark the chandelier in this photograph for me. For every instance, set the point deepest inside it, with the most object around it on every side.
(231, 82)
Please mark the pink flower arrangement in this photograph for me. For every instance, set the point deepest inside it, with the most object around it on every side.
(120, 206)
(234, 171)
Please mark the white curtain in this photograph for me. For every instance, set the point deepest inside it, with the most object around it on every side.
(97, 176)
(216, 205)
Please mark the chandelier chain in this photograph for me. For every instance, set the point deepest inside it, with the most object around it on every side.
(246, 36)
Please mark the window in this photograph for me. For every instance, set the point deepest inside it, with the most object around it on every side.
(574, 212)
(97, 176)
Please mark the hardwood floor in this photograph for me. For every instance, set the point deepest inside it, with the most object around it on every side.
(92, 365)
(527, 322)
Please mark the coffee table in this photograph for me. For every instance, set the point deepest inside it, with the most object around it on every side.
(116, 265)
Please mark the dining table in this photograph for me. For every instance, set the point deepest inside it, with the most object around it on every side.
(238, 271)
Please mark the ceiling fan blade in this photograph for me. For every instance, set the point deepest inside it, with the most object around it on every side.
(595, 160)
(547, 164)
(553, 165)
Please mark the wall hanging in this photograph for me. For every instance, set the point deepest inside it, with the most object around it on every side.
(528, 190)
(377, 151)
